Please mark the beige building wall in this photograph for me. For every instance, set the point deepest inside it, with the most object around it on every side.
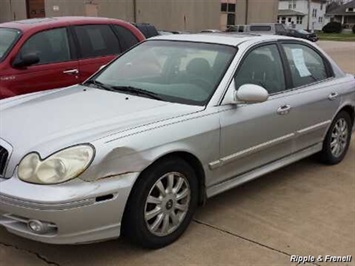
(259, 11)
(12, 10)
(122, 9)
(184, 15)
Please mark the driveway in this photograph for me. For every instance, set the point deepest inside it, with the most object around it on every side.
(304, 209)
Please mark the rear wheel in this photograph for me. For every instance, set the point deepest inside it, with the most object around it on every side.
(337, 140)
(162, 204)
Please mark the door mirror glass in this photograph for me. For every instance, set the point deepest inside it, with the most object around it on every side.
(26, 60)
(251, 93)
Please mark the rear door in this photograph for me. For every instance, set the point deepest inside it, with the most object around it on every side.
(57, 67)
(97, 45)
(314, 97)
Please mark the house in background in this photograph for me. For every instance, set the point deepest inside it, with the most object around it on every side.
(345, 14)
(303, 14)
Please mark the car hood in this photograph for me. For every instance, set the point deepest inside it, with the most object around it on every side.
(48, 121)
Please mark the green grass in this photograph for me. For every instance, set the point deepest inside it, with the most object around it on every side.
(343, 37)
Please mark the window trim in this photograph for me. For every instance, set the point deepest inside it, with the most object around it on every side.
(328, 67)
(241, 62)
(38, 32)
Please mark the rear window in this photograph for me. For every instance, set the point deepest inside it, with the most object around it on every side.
(147, 30)
(260, 28)
(127, 38)
(8, 37)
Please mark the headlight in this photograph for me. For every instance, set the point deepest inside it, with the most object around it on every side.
(57, 168)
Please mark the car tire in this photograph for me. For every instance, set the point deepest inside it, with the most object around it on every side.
(161, 204)
(337, 140)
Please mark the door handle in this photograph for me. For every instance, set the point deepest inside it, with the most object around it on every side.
(71, 72)
(283, 110)
(333, 96)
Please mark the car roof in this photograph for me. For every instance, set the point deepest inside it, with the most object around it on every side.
(29, 24)
(232, 39)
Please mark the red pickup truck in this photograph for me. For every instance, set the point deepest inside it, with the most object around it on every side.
(41, 54)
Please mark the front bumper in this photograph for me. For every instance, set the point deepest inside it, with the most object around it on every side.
(76, 212)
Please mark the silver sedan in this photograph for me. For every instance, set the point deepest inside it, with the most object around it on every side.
(178, 119)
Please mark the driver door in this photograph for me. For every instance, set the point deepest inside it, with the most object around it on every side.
(253, 135)
(56, 67)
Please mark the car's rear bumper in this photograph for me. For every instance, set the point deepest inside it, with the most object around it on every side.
(90, 213)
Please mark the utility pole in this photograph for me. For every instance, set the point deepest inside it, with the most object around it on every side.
(246, 11)
(134, 11)
(309, 14)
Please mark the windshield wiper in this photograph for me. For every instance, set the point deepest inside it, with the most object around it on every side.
(99, 85)
(137, 91)
(128, 89)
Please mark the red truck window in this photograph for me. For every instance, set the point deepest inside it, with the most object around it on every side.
(97, 40)
(51, 46)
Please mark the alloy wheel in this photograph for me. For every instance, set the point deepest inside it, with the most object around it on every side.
(167, 204)
(339, 138)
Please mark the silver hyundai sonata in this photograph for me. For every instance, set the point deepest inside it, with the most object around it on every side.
(177, 119)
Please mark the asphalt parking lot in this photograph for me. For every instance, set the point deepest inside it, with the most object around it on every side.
(304, 209)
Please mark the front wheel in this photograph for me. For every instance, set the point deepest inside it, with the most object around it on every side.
(337, 140)
(161, 204)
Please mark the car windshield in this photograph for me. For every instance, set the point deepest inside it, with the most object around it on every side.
(7, 38)
(174, 71)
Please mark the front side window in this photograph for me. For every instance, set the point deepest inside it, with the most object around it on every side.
(8, 37)
(306, 65)
(263, 67)
(97, 40)
(182, 72)
(51, 46)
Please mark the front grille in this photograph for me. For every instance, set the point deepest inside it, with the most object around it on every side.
(4, 155)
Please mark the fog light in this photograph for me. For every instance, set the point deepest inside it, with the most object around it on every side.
(38, 227)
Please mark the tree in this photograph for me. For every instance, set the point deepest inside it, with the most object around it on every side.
(332, 27)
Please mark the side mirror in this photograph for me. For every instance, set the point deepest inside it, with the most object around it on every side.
(247, 93)
(251, 93)
(26, 60)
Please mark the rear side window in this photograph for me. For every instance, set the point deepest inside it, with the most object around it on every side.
(96, 41)
(306, 65)
(127, 38)
(51, 46)
(260, 28)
